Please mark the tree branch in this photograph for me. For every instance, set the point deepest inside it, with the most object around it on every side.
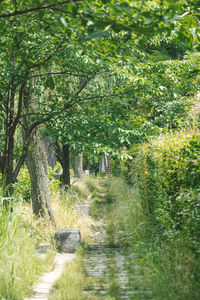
(188, 13)
(22, 158)
(85, 83)
(48, 58)
(103, 96)
(56, 73)
(35, 9)
(31, 114)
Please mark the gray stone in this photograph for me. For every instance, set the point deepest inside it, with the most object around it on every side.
(43, 248)
(83, 210)
(68, 240)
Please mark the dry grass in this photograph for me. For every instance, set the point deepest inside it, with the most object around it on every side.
(22, 231)
(65, 215)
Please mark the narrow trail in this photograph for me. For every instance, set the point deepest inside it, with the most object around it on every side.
(108, 268)
(42, 290)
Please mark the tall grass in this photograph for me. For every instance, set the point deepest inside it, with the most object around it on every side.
(63, 205)
(72, 283)
(21, 232)
(20, 264)
(169, 267)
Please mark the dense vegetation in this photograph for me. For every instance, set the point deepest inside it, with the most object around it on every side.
(117, 78)
(170, 267)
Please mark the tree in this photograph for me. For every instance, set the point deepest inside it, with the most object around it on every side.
(36, 36)
(37, 164)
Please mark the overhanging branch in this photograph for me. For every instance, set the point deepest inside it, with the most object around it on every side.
(103, 96)
(35, 9)
(84, 84)
(56, 73)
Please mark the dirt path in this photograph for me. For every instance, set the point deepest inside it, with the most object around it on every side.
(42, 289)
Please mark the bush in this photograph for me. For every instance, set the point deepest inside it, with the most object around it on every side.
(167, 170)
(168, 267)
(23, 185)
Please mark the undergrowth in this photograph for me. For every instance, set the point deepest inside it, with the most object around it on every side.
(169, 266)
(21, 232)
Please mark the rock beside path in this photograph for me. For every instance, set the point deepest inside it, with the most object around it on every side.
(83, 210)
(68, 240)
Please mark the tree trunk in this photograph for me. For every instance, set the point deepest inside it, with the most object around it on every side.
(66, 166)
(78, 166)
(10, 174)
(63, 156)
(1, 162)
(38, 169)
(87, 164)
(104, 165)
(50, 151)
(8, 165)
(49, 146)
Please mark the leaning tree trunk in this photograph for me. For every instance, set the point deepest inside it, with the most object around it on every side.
(78, 166)
(38, 169)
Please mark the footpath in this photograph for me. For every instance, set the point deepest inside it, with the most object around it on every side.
(105, 264)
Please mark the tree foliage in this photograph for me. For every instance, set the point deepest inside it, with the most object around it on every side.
(97, 71)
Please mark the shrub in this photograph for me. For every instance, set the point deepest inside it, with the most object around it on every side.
(23, 185)
(167, 170)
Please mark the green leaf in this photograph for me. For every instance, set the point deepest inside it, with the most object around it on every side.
(50, 83)
(63, 21)
(95, 35)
